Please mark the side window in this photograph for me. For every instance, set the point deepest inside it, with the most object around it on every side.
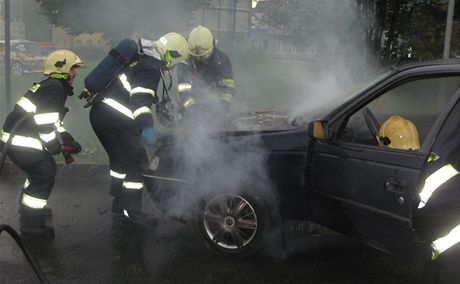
(401, 118)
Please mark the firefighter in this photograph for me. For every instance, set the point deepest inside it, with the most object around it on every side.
(122, 120)
(205, 84)
(437, 210)
(36, 132)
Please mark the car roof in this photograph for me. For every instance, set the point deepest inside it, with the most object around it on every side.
(440, 64)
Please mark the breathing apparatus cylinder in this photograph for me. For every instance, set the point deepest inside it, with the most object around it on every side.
(111, 65)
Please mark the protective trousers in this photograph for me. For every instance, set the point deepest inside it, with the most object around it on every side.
(40, 168)
(120, 138)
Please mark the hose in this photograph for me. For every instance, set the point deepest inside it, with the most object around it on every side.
(41, 276)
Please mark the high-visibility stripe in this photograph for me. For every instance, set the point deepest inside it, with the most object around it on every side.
(60, 126)
(27, 105)
(46, 118)
(189, 102)
(226, 97)
(33, 202)
(141, 110)
(132, 185)
(141, 90)
(183, 87)
(434, 181)
(229, 83)
(444, 243)
(125, 82)
(26, 184)
(47, 137)
(119, 107)
(117, 175)
(22, 141)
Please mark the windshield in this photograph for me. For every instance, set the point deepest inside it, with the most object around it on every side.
(335, 101)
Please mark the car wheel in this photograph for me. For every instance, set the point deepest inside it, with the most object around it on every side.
(16, 68)
(234, 224)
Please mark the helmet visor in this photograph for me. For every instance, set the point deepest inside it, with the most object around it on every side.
(200, 54)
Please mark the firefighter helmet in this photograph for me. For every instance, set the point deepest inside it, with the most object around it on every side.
(399, 133)
(61, 61)
(201, 43)
(173, 49)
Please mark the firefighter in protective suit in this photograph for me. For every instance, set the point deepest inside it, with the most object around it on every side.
(36, 132)
(122, 120)
(205, 84)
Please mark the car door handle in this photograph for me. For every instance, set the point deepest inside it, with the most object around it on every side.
(396, 185)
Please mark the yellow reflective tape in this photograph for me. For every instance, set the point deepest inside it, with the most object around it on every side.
(141, 90)
(189, 102)
(229, 83)
(119, 107)
(26, 183)
(46, 118)
(22, 141)
(226, 97)
(444, 243)
(27, 105)
(434, 181)
(34, 87)
(33, 202)
(132, 185)
(184, 87)
(141, 110)
(124, 80)
(117, 175)
(47, 137)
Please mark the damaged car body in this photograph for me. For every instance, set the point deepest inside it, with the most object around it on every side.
(329, 166)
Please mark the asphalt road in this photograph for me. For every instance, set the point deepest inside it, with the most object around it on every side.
(88, 249)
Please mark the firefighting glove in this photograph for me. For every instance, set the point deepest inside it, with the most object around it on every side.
(53, 148)
(72, 147)
(148, 136)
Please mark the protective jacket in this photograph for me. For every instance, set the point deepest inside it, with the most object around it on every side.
(45, 103)
(199, 80)
(133, 92)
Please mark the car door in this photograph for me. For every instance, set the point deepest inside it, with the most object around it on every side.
(373, 184)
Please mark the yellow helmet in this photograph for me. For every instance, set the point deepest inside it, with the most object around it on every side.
(399, 133)
(201, 43)
(60, 61)
(173, 49)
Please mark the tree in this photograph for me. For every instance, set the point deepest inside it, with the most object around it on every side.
(120, 18)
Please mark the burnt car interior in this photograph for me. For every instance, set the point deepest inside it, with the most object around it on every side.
(420, 101)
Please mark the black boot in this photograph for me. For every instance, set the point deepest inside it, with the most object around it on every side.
(32, 224)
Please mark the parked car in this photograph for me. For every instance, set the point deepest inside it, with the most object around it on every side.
(26, 56)
(326, 166)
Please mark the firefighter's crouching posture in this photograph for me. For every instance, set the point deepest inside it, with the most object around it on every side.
(41, 135)
(122, 120)
(206, 83)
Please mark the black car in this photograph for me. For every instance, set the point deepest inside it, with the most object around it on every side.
(328, 166)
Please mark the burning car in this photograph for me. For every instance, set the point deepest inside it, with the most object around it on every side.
(26, 56)
(328, 166)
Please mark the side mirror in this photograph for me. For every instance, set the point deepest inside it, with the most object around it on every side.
(318, 129)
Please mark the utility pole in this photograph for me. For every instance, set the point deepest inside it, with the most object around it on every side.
(6, 6)
(449, 20)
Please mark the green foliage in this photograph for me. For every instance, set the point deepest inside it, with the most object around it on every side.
(118, 19)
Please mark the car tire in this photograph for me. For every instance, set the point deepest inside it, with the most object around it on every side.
(235, 225)
(16, 68)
